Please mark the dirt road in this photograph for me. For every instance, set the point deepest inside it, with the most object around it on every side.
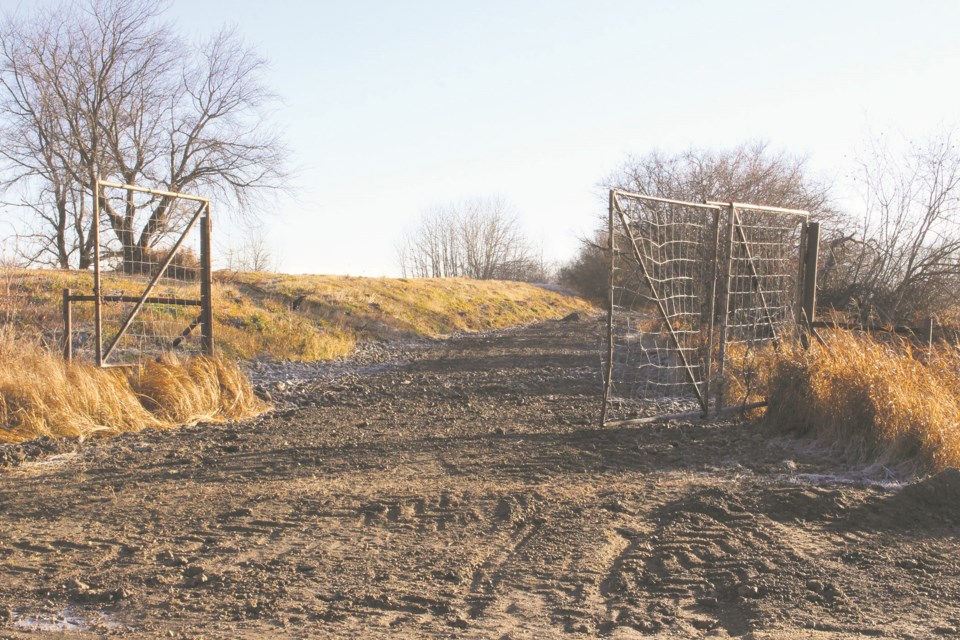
(465, 491)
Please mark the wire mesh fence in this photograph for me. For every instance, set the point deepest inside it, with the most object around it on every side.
(699, 292)
(151, 290)
(762, 295)
(661, 289)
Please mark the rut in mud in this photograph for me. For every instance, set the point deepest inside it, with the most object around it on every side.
(462, 489)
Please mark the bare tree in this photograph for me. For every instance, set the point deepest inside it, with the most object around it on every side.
(750, 172)
(252, 254)
(479, 238)
(32, 138)
(587, 272)
(432, 250)
(902, 260)
(105, 90)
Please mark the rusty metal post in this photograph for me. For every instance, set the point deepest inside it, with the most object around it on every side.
(712, 305)
(97, 290)
(612, 249)
(728, 274)
(206, 286)
(67, 327)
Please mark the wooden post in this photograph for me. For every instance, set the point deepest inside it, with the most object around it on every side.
(67, 327)
(801, 272)
(810, 274)
(930, 337)
(206, 286)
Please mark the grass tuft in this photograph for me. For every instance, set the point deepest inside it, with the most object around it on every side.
(181, 391)
(41, 395)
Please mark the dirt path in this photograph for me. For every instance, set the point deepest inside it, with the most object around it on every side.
(466, 492)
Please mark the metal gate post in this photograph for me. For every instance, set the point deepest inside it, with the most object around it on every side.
(97, 289)
(206, 286)
(612, 248)
(712, 306)
(727, 275)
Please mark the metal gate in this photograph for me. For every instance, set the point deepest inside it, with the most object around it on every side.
(152, 280)
(698, 293)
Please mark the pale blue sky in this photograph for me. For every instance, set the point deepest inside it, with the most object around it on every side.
(391, 107)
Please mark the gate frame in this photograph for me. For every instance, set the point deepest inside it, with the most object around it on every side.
(805, 302)
(204, 320)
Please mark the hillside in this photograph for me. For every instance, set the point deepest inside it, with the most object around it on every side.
(336, 311)
(306, 317)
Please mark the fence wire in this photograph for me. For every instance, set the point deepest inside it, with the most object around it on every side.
(762, 299)
(699, 294)
(145, 238)
(660, 295)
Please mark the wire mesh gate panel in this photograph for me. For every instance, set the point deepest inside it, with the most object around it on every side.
(152, 290)
(762, 294)
(661, 301)
(698, 292)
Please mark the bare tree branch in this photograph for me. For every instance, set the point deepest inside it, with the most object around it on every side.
(904, 260)
(104, 89)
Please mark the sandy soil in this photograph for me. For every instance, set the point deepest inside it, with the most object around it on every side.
(465, 491)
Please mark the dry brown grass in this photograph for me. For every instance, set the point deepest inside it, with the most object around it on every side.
(747, 373)
(181, 391)
(41, 395)
(875, 402)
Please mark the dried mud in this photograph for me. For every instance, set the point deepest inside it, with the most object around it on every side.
(465, 491)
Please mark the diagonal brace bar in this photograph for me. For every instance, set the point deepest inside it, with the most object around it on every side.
(756, 277)
(186, 332)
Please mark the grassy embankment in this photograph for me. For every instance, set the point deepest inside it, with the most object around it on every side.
(257, 315)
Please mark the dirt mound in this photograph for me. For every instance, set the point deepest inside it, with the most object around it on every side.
(932, 504)
(941, 491)
(37, 449)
